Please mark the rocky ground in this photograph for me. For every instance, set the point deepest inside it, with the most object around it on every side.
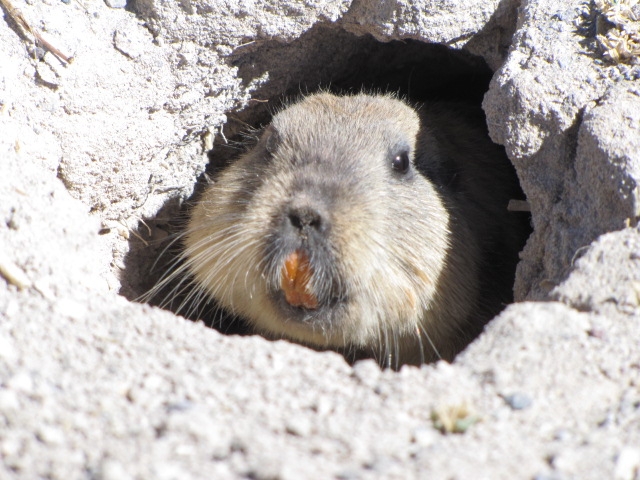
(97, 154)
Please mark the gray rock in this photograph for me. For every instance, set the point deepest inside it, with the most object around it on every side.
(518, 401)
(92, 384)
(543, 105)
(116, 3)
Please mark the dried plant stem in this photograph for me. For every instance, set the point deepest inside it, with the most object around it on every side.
(20, 21)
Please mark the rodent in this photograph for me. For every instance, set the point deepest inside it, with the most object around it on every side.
(360, 224)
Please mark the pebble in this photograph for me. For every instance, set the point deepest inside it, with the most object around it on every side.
(50, 435)
(518, 401)
(116, 3)
(13, 274)
(424, 436)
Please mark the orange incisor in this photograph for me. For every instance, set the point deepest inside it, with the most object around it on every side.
(296, 274)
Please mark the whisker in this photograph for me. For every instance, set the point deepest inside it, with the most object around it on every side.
(433, 346)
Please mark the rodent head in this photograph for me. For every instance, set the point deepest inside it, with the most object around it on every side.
(324, 232)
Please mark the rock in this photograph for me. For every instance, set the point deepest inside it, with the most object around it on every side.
(116, 3)
(98, 157)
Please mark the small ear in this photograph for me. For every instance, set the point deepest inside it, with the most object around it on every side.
(271, 139)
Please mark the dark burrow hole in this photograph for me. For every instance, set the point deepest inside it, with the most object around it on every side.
(325, 58)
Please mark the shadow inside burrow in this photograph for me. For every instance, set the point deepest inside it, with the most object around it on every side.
(325, 58)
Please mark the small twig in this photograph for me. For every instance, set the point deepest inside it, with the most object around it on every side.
(245, 44)
(83, 7)
(13, 274)
(518, 206)
(19, 20)
(50, 47)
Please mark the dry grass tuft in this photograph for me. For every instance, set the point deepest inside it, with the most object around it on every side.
(618, 30)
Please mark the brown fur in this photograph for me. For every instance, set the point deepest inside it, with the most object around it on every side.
(406, 267)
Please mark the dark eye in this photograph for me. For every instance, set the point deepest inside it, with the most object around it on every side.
(400, 162)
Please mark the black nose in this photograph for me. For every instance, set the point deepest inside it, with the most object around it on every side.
(306, 217)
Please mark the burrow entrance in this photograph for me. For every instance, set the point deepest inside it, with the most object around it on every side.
(325, 58)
